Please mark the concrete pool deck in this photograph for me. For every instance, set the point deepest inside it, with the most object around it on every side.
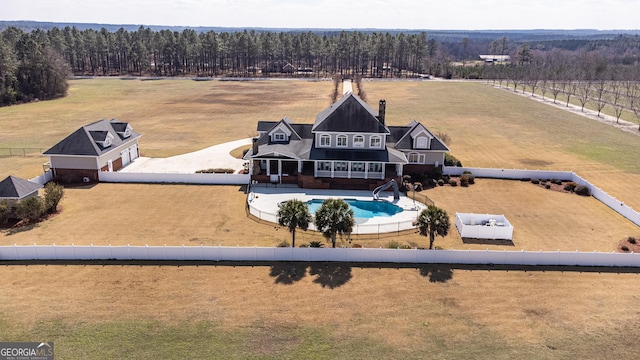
(263, 200)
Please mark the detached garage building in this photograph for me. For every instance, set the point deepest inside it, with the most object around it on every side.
(100, 146)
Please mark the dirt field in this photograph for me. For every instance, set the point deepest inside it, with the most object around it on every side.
(328, 311)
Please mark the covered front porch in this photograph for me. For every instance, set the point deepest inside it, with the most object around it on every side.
(302, 172)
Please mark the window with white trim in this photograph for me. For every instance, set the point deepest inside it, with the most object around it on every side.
(413, 158)
(341, 141)
(375, 142)
(375, 167)
(358, 141)
(324, 166)
(357, 166)
(279, 136)
(107, 142)
(325, 140)
(340, 166)
(422, 142)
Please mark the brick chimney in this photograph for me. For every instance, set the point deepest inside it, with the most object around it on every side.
(254, 147)
(381, 110)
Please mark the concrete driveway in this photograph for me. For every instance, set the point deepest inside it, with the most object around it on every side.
(216, 156)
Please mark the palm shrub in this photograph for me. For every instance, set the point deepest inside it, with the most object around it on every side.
(334, 217)
(294, 214)
(316, 244)
(433, 222)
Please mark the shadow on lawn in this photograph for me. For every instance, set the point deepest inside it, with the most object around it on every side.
(331, 275)
(288, 273)
(437, 273)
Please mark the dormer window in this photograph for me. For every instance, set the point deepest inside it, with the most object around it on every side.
(279, 137)
(107, 141)
(422, 142)
(127, 132)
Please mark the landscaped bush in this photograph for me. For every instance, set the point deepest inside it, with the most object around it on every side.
(5, 210)
(464, 181)
(556, 181)
(417, 186)
(405, 247)
(547, 186)
(406, 178)
(582, 190)
(450, 160)
(472, 178)
(393, 245)
(52, 195)
(305, 245)
(30, 209)
(440, 182)
(284, 243)
(316, 244)
(570, 186)
(631, 240)
(624, 248)
(453, 182)
(525, 179)
(356, 246)
(535, 181)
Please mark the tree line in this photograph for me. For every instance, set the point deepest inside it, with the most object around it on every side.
(34, 64)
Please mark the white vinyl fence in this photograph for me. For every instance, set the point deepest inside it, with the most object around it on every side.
(615, 204)
(207, 179)
(221, 253)
(44, 178)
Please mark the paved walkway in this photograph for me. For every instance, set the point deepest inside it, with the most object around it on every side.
(216, 156)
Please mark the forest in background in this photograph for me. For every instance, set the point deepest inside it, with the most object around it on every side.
(35, 62)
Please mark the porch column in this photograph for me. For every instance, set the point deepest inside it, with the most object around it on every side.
(315, 169)
(366, 170)
(332, 168)
(299, 166)
(349, 170)
(268, 167)
(384, 170)
(279, 168)
(399, 169)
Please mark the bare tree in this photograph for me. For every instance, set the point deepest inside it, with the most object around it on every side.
(584, 93)
(618, 100)
(601, 95)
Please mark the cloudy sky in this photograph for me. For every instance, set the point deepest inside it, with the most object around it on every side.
(340, 14)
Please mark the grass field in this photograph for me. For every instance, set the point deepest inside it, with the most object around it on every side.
(330, 311)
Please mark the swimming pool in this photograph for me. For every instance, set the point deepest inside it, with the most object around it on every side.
(362, 208)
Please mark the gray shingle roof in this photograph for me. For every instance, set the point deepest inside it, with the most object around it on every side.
(349, 114)
(15, 188)
(84, 140)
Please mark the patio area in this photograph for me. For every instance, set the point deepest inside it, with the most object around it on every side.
(263, 200)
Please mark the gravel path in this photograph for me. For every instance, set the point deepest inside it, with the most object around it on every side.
(593, 115)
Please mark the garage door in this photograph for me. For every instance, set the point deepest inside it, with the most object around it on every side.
(133, 152)
(125, 157)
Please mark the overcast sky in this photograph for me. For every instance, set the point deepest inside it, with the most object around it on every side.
(340, 14)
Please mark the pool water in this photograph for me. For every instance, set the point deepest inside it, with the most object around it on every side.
(362, 208)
